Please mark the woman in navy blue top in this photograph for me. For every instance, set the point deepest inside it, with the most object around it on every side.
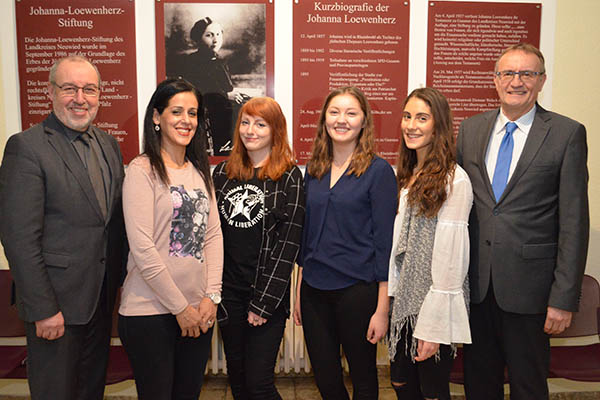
(351, 198)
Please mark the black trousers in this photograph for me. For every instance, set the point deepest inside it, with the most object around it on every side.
(251, 352)
(165, 364)
(341, 317)
(427, 379)
(73, 366)
(501, 339)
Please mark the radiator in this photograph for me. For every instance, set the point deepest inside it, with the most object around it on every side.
(292, 357)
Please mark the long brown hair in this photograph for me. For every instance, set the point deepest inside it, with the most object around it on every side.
(428, 192)
(239, 166)
(322, 151)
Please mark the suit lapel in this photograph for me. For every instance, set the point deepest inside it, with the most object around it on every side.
(484, 140)
(65, 150)
(538, 132)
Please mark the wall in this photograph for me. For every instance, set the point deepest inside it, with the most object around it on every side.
(3, 136)
(575, 89)
(575, 52)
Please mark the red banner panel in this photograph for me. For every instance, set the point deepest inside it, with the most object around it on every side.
(226, 49)
(101, 30)
(464, 40)
(358, 43)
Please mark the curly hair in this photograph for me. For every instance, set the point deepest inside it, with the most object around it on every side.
(239, 166)
(428, 192)
(322, 151)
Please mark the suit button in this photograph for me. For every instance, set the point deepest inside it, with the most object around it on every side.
(102, 260)
(488, 242)
(496, 212)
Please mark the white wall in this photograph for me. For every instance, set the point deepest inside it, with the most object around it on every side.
(569, 41)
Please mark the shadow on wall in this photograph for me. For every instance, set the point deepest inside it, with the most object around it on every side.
(593, 260)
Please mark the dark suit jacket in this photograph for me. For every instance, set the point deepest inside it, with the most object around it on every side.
(533, 242)
(58, 245)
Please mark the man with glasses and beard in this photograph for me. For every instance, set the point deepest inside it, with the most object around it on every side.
(61, 225)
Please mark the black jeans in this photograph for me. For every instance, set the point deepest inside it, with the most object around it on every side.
(341, 317)
(421, 379)
(165, 364)
(251, 351)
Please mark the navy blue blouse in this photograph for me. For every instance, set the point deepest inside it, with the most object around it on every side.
(348, 229)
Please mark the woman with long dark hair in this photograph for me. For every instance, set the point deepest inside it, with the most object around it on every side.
(351, 200)
(430, 255)
(168, 304)
(260, 198)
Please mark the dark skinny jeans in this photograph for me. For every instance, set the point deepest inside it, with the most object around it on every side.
(341, 317)
(165, 364)
(251, 351)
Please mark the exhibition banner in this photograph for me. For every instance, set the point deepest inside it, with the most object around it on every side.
(226, 49)
(463, 42)
(103, 31)
(350, 43)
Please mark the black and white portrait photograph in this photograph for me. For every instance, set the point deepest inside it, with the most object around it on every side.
(221, 49)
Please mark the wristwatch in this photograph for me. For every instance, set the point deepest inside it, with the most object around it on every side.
(214, 297)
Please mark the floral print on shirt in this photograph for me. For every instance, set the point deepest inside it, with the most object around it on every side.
(189, 222)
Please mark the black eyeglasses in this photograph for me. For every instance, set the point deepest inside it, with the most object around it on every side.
(525, 76)
(70, 90)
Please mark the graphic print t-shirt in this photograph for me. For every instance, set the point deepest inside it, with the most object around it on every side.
(188, 226)
(241, 210)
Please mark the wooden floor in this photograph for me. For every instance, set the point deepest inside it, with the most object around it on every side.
(302, 387)
(297, 387)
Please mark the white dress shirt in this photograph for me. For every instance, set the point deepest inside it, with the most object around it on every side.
(519, 137)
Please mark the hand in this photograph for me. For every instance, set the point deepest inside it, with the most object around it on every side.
(236, 96)
(208, 314)
(297, 305)
(255, 320)
(426, 350)
(378, 327)
(557, 320)
(50, 328)
(189, 322)
(297, 312)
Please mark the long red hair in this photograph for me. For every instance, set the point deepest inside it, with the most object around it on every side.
(281, 159)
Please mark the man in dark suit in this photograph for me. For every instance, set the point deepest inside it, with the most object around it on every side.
(61, 225)
(529, 230)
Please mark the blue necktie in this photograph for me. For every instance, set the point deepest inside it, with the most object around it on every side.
(503, 162)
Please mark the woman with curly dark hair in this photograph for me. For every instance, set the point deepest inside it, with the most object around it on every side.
(175, 264)
(430, 255)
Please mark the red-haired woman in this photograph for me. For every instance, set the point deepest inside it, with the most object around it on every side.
(430, 255)
(260, 198)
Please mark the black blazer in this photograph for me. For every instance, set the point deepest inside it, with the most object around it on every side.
(59, 246)
(533, 242)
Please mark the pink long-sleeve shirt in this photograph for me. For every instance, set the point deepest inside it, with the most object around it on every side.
(176, 245)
